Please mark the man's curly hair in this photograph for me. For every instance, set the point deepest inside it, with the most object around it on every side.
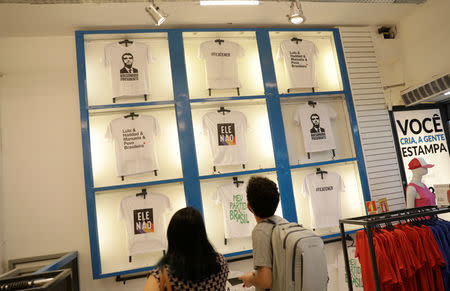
(262, 196)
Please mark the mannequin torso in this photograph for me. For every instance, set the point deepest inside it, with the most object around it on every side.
(411, 192)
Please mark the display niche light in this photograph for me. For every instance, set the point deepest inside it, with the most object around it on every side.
(295, 15)
(156, 13)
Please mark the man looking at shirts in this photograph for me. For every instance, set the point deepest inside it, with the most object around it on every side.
(262, 200)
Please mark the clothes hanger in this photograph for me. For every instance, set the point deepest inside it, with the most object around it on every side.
(143, 193)
(296, 39)
(219, 41)
(237, 182)
(223, 110)
(319, 171)
(132, 115)
(312, 103)
(126, 42)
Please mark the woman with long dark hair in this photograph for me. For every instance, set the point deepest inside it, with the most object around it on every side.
(191, 263)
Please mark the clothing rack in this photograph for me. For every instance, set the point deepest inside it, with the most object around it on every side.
(370, 221)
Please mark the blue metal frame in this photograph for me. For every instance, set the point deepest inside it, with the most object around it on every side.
(182, 103)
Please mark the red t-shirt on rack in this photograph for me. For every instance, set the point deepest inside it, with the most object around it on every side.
(385, 270)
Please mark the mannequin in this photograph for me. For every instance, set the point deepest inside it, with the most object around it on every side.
(417, 193)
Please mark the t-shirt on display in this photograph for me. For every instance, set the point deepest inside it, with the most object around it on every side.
(128, 68)
(299, 62)
(238, 220)
(227, 137)
(134, 142)
(324, 198)
(316, 126)
(221, 63)
(145, 222)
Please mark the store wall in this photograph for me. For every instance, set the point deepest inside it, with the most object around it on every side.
(42, 196)
(419, 53)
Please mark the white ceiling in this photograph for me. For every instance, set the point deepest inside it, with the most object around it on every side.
(63, 19)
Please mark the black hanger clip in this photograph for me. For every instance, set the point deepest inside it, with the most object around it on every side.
(312, 103)
(126, 42)
(132, 115)
(223, 110)
(237, 182)
(319, 171)
(296, 39)
(143, 193)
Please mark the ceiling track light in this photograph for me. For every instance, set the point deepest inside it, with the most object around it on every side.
(157, 14)
(295, 15)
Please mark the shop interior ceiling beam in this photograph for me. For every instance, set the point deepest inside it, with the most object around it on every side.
(134, 1)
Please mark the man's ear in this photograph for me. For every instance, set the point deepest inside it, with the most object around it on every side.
(249, 208)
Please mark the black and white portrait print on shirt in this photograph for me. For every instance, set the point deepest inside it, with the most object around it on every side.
(129, 68)
(316, 131)
(128, 72)
(316, 126)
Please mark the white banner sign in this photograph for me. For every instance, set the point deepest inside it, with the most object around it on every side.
(421, 134)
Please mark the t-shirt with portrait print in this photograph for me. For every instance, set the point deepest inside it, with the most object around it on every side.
(227, 134)
(221, 61)
(145, 222)
(135, 144)
(129, 68)
(238, 220)
(316, 126)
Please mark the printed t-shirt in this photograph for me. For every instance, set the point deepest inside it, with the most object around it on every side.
(299, 62)
(227, 137)
(316, 126)
(145, 222)
(385, 270)
(134, 142)
(324, 198)
(128, 68)
(238, 220)
(221, 62)
(355, 271)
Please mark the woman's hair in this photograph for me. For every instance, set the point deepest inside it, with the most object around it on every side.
(190, 255)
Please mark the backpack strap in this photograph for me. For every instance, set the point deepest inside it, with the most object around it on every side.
(270, 221)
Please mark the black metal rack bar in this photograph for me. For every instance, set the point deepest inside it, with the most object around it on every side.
(370, 221)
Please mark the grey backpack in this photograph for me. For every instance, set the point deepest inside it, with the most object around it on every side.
(299, 262)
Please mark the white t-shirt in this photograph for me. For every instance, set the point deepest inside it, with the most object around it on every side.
(221, 63)
(227, 137)
(134, 142)
(355, 270)
(129, 68)
(299, 62)
(316, 126)
(145, 222)
(324, 198)
(238, 220)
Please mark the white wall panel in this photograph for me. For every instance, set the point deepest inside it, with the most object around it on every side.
(372, 116)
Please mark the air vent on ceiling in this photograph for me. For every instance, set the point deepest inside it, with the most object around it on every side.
(430, 92)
